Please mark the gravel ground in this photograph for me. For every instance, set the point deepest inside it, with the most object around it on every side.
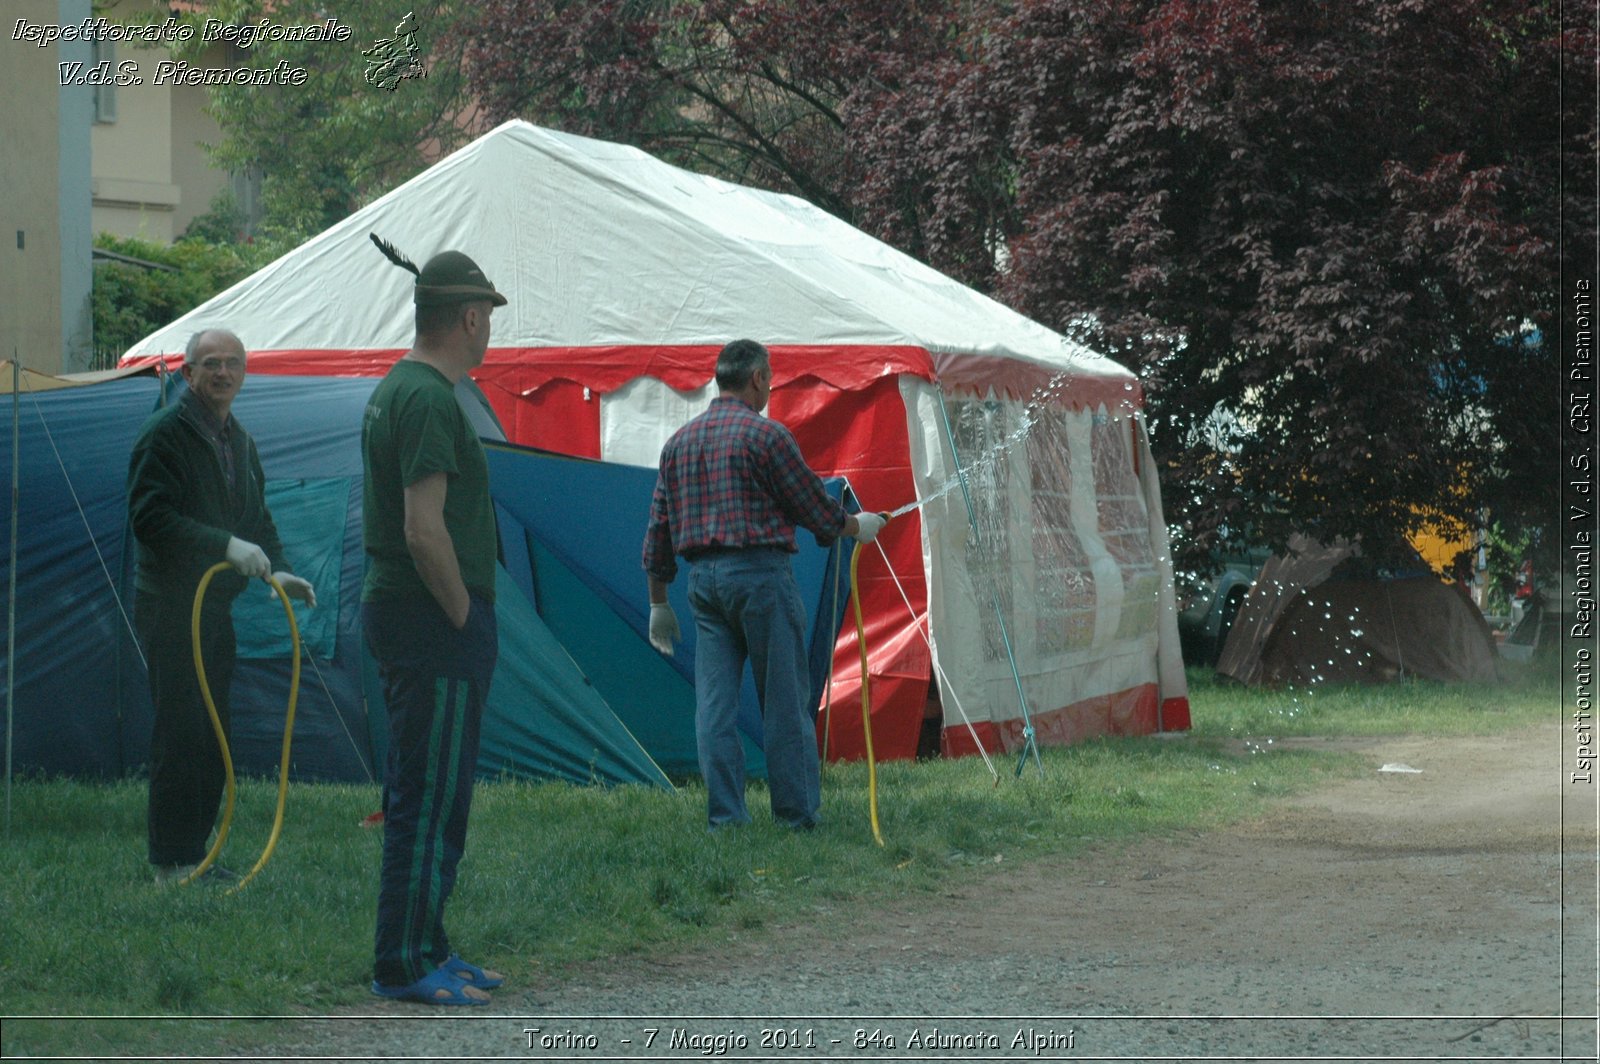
(1443, 914)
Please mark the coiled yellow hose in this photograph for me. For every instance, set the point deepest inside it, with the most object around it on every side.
(222, 739)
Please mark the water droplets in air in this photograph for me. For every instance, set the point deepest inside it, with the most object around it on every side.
(977, 468)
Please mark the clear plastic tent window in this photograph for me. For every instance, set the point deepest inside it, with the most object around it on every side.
(980, 427)
(1020, 467)
(1016, 488)
(1124, 524)
(1064, 582)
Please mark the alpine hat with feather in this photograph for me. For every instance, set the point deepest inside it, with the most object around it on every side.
(448, 277)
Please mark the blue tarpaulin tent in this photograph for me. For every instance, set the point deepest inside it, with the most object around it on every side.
(569, 601)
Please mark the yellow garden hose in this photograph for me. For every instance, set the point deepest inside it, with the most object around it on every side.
(222, 739)
(866, 693)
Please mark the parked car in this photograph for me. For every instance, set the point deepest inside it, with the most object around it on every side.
(1206, 617)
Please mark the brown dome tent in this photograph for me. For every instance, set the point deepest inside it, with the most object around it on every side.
(1323, 614)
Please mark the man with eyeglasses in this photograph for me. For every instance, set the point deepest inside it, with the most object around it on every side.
(196, 497)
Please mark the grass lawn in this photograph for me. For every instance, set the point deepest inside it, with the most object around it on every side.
(556, 874)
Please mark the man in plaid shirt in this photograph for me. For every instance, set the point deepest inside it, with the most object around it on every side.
(731, 489)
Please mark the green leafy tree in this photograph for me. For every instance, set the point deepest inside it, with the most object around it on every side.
(133, 299)
(326, 147)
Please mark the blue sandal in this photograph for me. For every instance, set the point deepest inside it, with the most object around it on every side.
(438, 987)
(470, 973)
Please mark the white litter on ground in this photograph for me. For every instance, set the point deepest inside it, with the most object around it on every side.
(1396, 766)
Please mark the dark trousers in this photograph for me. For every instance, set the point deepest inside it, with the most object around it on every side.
(186, 774)
(435, 681)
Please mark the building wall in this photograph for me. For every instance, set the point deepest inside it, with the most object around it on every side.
(152, 176)
(192, 129)
(76, 161)
(133, 190)
(45, 234)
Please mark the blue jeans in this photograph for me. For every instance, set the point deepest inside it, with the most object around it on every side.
(747, 607)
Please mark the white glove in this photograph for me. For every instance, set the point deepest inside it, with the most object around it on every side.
(868, 525)
(295, 587)
(248, 558)
(664, 630)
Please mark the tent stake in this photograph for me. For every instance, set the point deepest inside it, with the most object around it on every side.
(1029, 740)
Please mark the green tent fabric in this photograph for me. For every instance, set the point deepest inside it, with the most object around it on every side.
(314, 514)
(643, 688)
(572, 530)
(543, 717)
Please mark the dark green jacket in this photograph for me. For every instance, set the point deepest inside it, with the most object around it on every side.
(182, 511)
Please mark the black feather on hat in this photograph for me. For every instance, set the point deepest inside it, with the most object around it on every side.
(392, 253)
(448, 277)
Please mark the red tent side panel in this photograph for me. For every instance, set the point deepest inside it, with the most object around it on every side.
(321, 362)
(979, 375)
(563, 416)
(523, 370)
(860, 433)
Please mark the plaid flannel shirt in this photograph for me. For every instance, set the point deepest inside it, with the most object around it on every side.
(732, 479)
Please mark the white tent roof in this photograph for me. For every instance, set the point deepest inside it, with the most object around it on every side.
(601, 244)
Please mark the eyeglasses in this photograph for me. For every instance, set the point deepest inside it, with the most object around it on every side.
(217, 365)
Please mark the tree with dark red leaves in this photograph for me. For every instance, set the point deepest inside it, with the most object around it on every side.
(1326, 233)
(758, 92)
(1328, 236)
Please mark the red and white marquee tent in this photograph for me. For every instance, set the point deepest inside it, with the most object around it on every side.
(625, 277)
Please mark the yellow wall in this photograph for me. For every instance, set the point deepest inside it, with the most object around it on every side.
(133, 190)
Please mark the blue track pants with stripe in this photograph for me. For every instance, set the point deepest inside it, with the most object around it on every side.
(435, 680)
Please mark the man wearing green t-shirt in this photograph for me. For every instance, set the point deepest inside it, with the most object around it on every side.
(427, 608)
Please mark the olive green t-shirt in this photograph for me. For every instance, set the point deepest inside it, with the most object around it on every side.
(413, 428)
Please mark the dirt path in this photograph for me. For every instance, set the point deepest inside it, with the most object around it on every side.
(1401, 914)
